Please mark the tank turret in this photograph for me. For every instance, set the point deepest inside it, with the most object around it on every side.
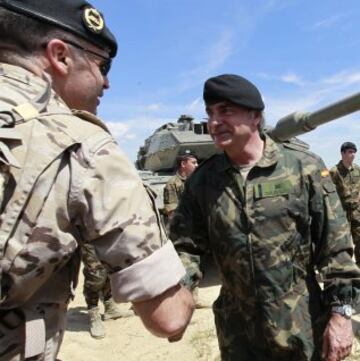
(161, 149)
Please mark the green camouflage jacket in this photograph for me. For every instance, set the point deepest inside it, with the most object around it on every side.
(172, 192)
(268, 235)
(347, 183)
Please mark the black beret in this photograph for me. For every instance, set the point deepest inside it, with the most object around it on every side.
(348, 145)
(233, 88)
(76, 16)
(186, 153)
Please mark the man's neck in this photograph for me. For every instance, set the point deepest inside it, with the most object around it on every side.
(182, 173)
(248, 154)
(347, 165)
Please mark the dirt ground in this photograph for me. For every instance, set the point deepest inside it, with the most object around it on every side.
(127, 339)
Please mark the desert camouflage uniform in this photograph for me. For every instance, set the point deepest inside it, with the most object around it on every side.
(73, 185)
(172, 192)
(96, 278)
(347, 183)
(267, 236)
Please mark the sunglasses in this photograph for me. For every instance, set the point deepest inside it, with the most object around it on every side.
(104, 66)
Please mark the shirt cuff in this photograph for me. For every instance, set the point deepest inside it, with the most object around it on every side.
(149, 277)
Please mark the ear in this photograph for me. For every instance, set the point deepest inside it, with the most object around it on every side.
(58, 55)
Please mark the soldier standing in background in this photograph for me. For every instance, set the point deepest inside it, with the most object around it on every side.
(65, 182)
(346, 176)
(269, 214)
(97, 286)
(186, 163)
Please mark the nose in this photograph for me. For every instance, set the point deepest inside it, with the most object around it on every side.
(214, 122)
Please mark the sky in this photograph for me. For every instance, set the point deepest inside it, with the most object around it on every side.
(302, 55)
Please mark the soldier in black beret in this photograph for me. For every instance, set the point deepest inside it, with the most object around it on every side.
(64, 182)
(269, 215)
(233, 92)
(58, 29)
(348, 145)
(75, 16)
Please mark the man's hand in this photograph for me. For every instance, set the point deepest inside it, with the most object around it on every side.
(338, 338)
(168, 314)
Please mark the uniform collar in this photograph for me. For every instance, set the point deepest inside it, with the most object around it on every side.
(21, 74)
(342, 167)
(269, 157)
(37, 83)
(183, 178)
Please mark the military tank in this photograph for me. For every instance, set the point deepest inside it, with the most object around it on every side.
(161, 149)
(156, 159)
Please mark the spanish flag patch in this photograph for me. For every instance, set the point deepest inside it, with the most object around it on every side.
(324, 173)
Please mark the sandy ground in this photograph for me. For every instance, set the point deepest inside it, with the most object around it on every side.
(127, 339)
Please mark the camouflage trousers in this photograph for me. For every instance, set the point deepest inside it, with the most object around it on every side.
(96, 279)
(38, 339)
(355, 233)
(247, 333)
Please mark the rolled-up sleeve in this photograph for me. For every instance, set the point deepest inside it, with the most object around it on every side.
(116, 214)
(149, 277)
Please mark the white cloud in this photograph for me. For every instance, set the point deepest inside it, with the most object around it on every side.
(211, 59)
(343, 78)
(220, 51)
(195, 106)
(292, 78)
(328, 22)
(289, 77)
(154, 107)
(120, 131)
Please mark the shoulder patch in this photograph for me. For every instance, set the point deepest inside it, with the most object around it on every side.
(324, 173)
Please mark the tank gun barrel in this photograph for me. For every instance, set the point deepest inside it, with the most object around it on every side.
(299, 123)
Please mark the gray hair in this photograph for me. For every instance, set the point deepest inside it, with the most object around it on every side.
(262, 122)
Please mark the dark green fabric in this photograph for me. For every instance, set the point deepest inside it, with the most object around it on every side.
(268, 248)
